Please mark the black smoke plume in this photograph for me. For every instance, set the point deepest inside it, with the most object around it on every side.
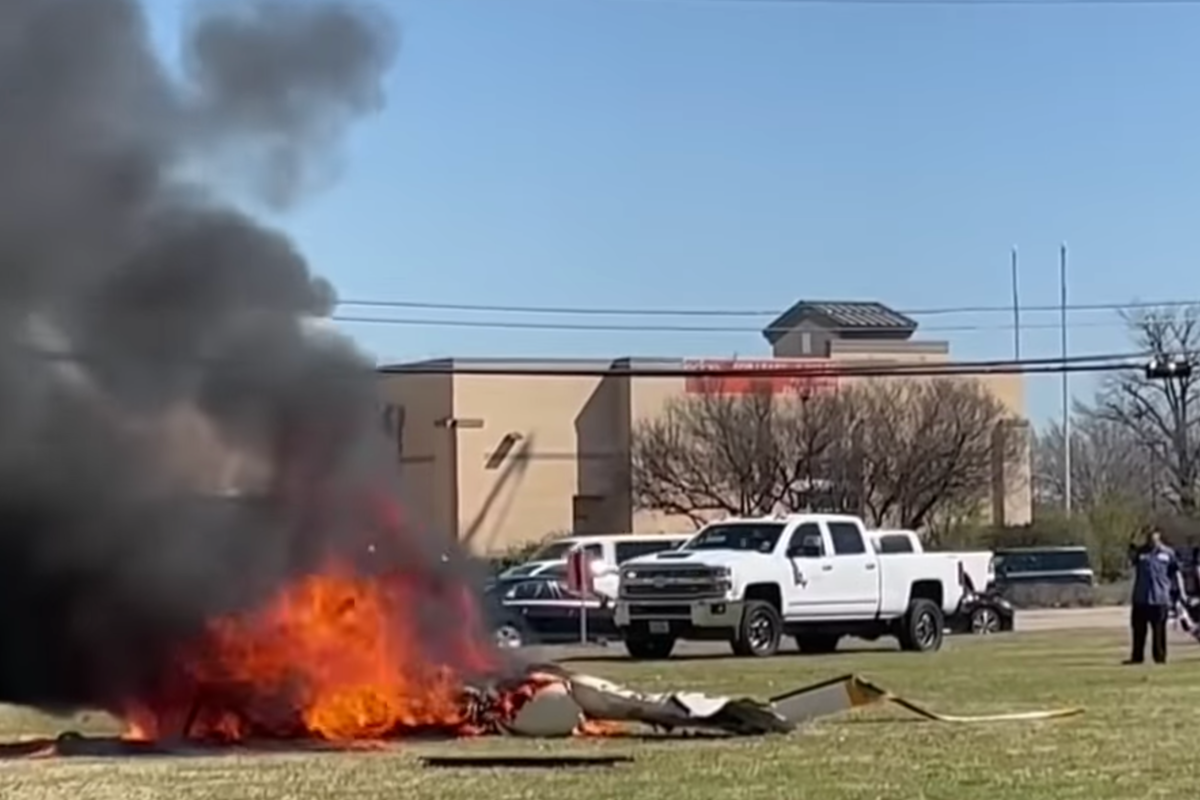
(149, 329)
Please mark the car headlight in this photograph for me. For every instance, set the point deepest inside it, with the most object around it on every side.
(630, 574)
(723, 572)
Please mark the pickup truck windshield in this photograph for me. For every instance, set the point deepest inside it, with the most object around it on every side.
(553, 551)
(756, 537)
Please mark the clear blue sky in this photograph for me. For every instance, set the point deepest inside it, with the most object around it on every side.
(738, 155)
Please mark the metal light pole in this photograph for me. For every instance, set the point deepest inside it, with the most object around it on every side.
(1066, 381)
(1016, 298)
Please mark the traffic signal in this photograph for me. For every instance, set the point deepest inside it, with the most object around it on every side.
(1168, 367)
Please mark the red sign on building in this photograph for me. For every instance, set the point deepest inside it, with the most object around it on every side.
(777, 375)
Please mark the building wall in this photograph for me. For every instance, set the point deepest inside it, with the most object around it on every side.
(526, 457)
(648, 398)
(520, 471)
(1012, 495)
(414, 411)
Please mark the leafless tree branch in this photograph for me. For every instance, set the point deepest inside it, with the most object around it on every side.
(1160, 414)
(896, 450)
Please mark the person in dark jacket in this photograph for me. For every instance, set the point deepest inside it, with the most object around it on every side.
(1157, 581)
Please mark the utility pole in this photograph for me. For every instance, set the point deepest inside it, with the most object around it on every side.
(1066, 380)
(1016, 298)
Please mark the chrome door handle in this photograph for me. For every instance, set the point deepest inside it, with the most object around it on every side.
(826, 567)
(870, 566)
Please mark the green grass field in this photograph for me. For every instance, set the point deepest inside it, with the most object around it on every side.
(1140, 722)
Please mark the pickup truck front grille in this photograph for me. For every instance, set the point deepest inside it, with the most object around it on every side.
(697, 589)
(684, 582)
(660, 611)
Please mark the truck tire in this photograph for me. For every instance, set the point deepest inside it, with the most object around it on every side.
(649, 648)
(760, 631)
(817, 643)
(922, 628)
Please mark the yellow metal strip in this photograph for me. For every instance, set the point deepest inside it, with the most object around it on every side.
(824, 699)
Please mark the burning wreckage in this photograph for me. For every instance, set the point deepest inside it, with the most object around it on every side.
(343, 659)
(331, 663)
(153, 338)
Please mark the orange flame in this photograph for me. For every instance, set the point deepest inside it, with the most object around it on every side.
(335, 656)
(352, 662)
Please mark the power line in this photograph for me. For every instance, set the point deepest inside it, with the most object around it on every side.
(725, 312)
(651, 328)
(924, 2)
(1037, 366)
(779, 368)
(799, 374)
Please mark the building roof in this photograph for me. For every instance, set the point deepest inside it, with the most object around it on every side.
(452, 364)
(840, 315)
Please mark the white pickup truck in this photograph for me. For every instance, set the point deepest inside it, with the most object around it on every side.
(978, 565)
(815, 577)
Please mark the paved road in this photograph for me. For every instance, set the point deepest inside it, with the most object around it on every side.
(1065, 619)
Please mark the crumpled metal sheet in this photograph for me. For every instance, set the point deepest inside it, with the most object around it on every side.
(558, 709)
(600, 699)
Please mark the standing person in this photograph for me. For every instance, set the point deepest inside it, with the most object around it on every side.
(1156, 580)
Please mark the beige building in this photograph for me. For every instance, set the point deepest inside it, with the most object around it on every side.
(497, 460)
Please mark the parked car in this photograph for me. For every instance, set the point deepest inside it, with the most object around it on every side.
(815, 577)
(1044, 565)
(982, 614)
(547, 611)
(552, 571)
(606, 552)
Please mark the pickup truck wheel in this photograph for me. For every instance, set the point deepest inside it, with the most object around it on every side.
(817, 643)
(923, 627)
(760, 631)
(649, 647)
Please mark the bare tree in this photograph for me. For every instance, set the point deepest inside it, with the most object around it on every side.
(709, 452)
(927, 445)
(1108, 463)
(816, 463)
(1162, 414)
(899, 450)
